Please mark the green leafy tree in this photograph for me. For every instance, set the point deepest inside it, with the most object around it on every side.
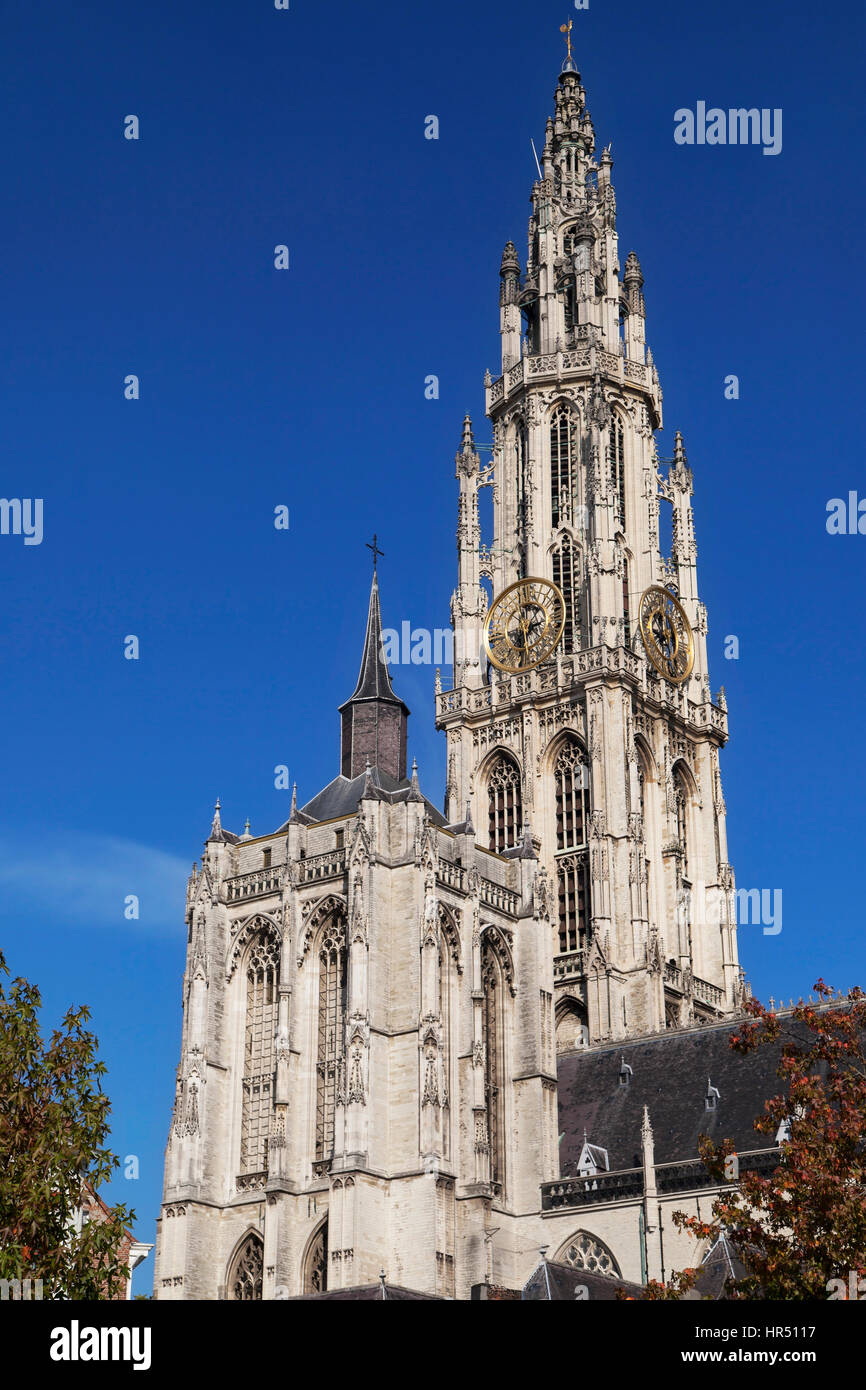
(803, 1225)
(53, 1133)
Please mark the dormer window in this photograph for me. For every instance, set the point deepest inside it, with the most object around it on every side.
(625, 1073)
(341, 839)
(266, 857)
(712, 1097)
(593, 1160)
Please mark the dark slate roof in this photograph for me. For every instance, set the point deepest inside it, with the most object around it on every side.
(719, 1265)
(558, 1283)
(371, 1293)
(342, 797)
(374, 681)
(669, 1075)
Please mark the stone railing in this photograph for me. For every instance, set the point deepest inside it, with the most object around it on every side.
(551, 365)
(494, 895)
(331, 865)
(674, 976)
(710, 994)
(682, 1177)
(584, 1192)
(451, 875)
(250, 1182)
(629, 1182)
(570, 966)
(254, 885)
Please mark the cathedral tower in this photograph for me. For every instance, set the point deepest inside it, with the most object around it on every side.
(614, 766)
(392, 1017)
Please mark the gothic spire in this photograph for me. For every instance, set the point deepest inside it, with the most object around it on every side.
(374, 718)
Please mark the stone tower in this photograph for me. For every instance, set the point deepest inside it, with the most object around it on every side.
(615, 768)
(375, 993)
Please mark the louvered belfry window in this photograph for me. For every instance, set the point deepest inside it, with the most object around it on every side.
(616, 458)
(491, 985)
(566, 580)
(571, 775)
(626, 604)
(263, 964)
(504, 804)
(332, 1017)
(562, 447)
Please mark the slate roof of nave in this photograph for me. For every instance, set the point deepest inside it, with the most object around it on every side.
(342, 797)
(370, 1293)
(551, 1282)
(669, 1075)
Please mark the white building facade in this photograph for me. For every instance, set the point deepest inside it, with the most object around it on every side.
(377, 994)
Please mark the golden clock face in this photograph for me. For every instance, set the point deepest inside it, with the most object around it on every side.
(667, 635)
(524, 625)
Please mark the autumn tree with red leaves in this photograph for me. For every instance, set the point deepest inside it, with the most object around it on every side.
(53, 1154)
(803, 1225)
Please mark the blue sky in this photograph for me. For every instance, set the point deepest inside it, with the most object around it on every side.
(306, 388)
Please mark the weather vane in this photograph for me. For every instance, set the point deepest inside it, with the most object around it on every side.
(374, 546)
(566, 30)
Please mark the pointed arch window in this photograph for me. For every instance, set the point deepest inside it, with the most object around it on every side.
(447, 968)
(566, 579)
(583, 1251)
(571, 782)
(505, 814)
(681, 795)
(616, 461)
(316, 1264)
(494, 1058)
(563, 444)
(626, 605)
(245, 1278)
(331, 1030)
(263, 964)
(520, 451)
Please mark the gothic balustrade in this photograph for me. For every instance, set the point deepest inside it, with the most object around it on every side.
(251, 1182)
(570, 966)
(683, 1177)
(254, 885)
(331, 865)
(629, 1182)
(674, 976)
(551, 365)
(710, 994)
(585, 1192)
(451, 875)
(494, 895)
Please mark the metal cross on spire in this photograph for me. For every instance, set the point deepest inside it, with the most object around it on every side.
(374, 546)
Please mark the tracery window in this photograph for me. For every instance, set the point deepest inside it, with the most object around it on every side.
(331, 1039)
(520, 449)
(245, 1279)
(494, 1040)
(626, 606)
(505, 815)
(263, 963)
(567, 581)
(563, 444)
(316, 1267)
(445, 969)
(681, 793)
(571, 780)
(585, 1252)
(616, 460)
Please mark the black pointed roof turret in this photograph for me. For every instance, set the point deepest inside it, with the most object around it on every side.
(374, 678)
(374, 718)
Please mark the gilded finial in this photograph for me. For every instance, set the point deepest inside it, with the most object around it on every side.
(566, 30)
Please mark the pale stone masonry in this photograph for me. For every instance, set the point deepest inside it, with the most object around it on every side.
(376, 995)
